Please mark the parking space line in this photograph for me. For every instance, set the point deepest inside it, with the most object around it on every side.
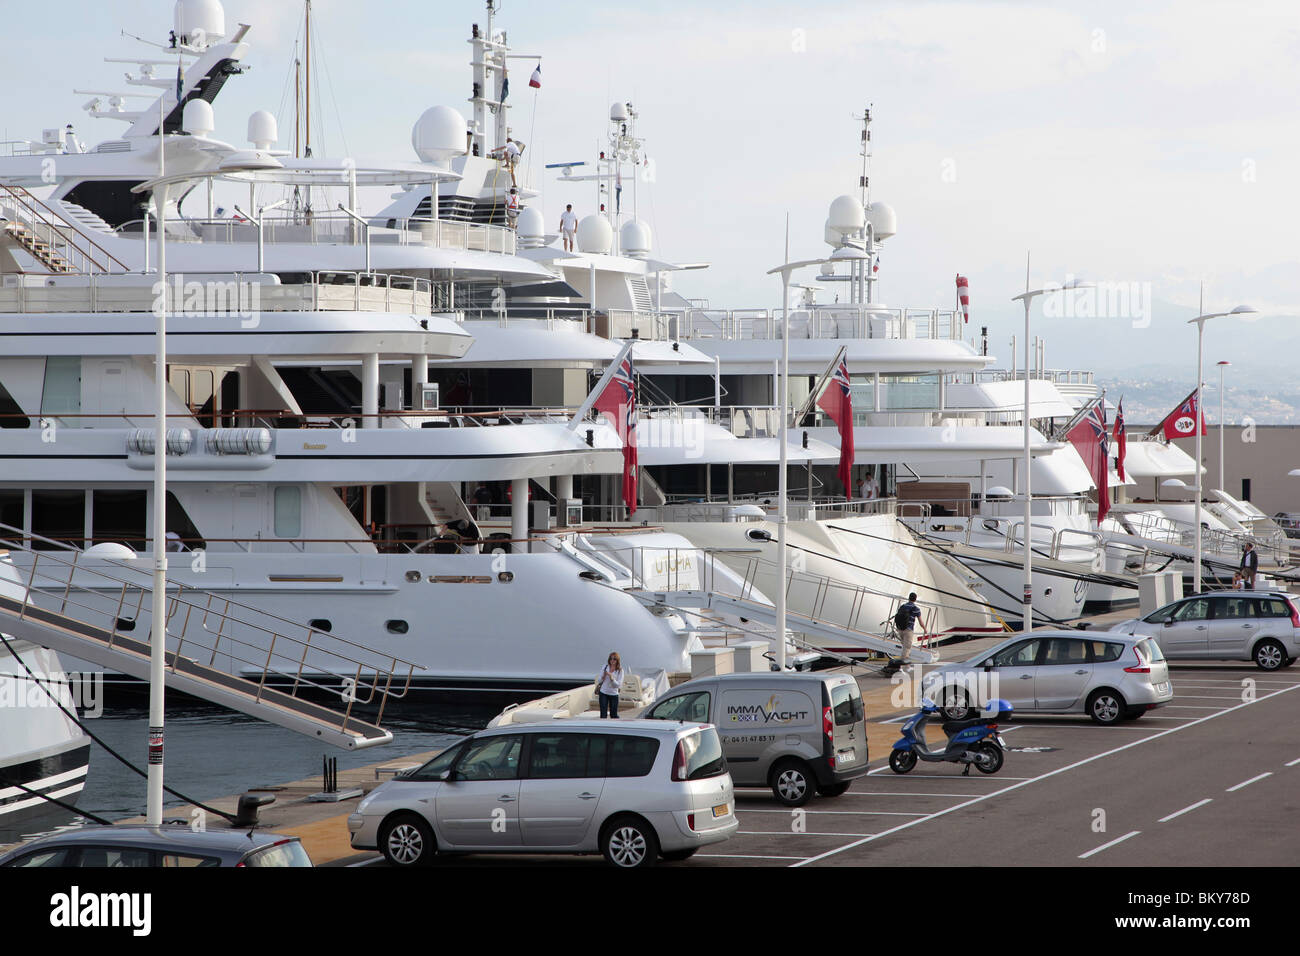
(938, 776)
(1190, 707)
(1179, 813)
(1210, 697)
(793, 833)
(744, 856)
(848, 813)
(1247, 783)
(1043, 776)
(1294, 762)
(1106, 846)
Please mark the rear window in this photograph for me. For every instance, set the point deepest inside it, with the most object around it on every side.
(846, 701)
(1273, 607)
(289, 853)
(630, 756)
(187, 861)
(703, 755)
(1150, 650)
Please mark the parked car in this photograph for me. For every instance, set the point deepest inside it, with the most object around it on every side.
(799, 734)
(632, 790)
(170, 845)
(1259, 626)
(1108, 676)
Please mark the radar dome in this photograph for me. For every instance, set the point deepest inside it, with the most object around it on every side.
(883, 219)
(263, 130)
(531, 228)
(110, 550)
(198, 118)
(200, 22)
(618, 113)
(595, 234)
(439, 134)
(635, 239)
(846, 215)
(831, 236)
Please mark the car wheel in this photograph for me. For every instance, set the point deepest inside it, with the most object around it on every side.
(407, 841)
(833, 790)
(629, 843)
(956, 705)
(676, 856)
(902, 761)
(793, 783)
(991, 757)
(1269, 655)
(1106, 707)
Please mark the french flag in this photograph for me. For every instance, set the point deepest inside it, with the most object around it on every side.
(535, 81)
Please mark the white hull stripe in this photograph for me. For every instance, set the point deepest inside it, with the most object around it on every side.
(44, 782)
(57, 794)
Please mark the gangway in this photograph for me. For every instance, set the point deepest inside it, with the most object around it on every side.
(90, 619)
(696, 579)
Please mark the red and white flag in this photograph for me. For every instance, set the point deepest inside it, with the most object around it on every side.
(1181, 422)
(963, 297)
(1121, 441)
(535, 81)
(618, 404)
(1089, 439)
(837, 401)
(875, 266)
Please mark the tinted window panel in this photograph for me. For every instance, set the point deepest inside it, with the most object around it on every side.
(41, 858)
(1234, 608)
(1066, 650)
(1273, 607)
(847, 701)
(284, 854)
(1018, 655)
(1195, 610)
(704, 755)
(630, 756)
(596, 754)
(558, 755)
(1105, 651)
(182, 860)
(114, 856)
(492, 758)
(436, 766)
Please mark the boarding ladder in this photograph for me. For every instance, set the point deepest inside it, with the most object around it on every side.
(697, 579)
(60, 245)
(298, 677)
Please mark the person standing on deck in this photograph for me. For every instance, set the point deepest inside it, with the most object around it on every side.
(905, 619)
(608, 685)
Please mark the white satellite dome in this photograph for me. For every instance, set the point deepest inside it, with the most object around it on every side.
(846, 216)
(198, 118)
(831, 236)
(531, 228)
(263, 131)
(196, 19)
(110, 550)
(618, 113)
(595, 234)
(439, 134)
(883, 219)
(634, 239)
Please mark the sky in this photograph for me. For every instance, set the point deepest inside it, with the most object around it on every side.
(1150, 148)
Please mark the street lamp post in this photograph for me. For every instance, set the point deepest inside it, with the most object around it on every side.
(782, 514)
(1222, 420)
(1200, 321)
(1027, 607)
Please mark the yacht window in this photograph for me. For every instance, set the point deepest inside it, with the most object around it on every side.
(321, 624)
(60, 515)
(11, 508)
(11, 414)
(61, 392)
(397, 627)
(288, 511)
(120, 516)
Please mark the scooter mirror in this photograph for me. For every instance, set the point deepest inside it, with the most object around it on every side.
(927, 704)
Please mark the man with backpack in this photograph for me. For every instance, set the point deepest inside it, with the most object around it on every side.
(905, 619)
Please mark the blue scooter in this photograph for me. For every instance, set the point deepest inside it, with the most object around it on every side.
(974, 742)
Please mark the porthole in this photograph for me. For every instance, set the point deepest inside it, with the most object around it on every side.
(125, 624)
(321, 624)
(505, 577)
(397, 627)
(412, 576)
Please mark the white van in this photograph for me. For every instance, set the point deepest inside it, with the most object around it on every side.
(797, 733)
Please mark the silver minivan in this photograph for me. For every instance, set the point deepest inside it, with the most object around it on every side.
(797, 733)
(633, 790)
(1259, 626)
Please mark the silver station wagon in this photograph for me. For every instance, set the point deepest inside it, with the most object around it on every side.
(633, 790)
(1259, 626)
(1108, 676)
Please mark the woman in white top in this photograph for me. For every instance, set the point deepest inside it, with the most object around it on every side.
(608, 684)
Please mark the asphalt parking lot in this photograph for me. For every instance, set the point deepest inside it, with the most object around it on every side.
(1206, 779)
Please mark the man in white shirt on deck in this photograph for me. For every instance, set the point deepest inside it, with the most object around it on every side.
(869, 487)
(510, 154)
(568, 227)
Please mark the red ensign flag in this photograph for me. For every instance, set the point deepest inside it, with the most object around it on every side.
(837, 402)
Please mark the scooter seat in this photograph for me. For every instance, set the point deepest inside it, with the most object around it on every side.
(951, 727)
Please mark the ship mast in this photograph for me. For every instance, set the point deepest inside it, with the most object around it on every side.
(861, 289)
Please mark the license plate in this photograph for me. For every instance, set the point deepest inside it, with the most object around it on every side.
(1162, 688)
(1001, 743)
(845, 756)
(722, 809)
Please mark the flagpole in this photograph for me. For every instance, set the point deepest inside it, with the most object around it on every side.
(782, 505)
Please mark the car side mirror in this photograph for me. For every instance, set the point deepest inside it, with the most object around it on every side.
(445, 775)
(988, 665)
(1167, 622)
